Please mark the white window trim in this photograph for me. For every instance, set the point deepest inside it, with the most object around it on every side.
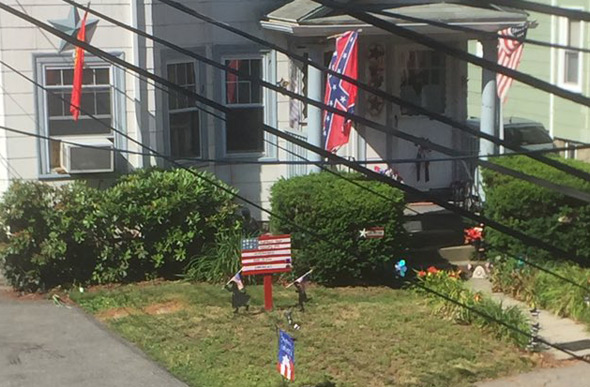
(184, 110)
(563, 39)
(45, 156)
(264, 59)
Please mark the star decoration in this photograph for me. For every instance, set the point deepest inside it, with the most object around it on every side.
(363, 233)
(71, 25)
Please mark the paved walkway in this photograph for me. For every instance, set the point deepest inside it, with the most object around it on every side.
(560, 331)
(45, 345)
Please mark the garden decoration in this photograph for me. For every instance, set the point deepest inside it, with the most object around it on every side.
(300, 285)
(290, 322)
(239, 298)
(286, 357)
(474, 236)
(401, 268)
(534, 344)
(372, 232)
(266, 254)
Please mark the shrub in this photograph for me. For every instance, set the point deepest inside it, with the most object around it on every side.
(536, 211)
(48, 241)
(337, 210)
(450, 284)
(151, 223)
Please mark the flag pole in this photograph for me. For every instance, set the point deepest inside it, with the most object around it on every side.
(292, 283)
(336, 36)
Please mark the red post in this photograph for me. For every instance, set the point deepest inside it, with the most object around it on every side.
(268, 292)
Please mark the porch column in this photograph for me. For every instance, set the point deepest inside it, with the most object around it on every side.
(489, 100)
(314, 114)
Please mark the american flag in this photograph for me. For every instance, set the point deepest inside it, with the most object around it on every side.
(341, 94)
(509, 55)
(266, 254)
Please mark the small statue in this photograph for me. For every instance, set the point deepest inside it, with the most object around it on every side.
(302, 296)
(239, 297)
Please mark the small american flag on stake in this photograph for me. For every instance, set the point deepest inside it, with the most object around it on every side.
(266, 254)
(509, 55)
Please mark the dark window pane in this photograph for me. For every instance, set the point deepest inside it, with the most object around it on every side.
(103, 102)
(180, 74)
(55, 105)
(255, 68)
(87, 103)
(67, 126)
(244, 92)
(244, 130)
(68, 76)
(53, 77)
(190, 73)
(172, 73)
(102, 76)
(88, 77)
(185, 138)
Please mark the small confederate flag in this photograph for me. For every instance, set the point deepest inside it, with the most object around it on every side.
(341, 94)
(78, 72)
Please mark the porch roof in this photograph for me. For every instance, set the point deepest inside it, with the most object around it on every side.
(308, 18)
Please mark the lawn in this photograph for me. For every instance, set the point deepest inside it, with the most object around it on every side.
(349, 336)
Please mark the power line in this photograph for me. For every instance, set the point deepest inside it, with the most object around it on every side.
(477, 32)
(540, 8)
(386, 96)
(302, 228)
(458, 53)
(371, 174)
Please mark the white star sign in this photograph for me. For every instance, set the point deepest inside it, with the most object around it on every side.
(71, 25)
(363, 233)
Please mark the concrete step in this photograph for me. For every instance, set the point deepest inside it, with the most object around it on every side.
(457, 254)
(436, 238)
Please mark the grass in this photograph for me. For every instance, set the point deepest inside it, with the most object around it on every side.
(349, 336)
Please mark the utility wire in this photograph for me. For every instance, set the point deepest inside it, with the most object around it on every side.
(569, 191)
(485, 34)
(436, 45)
(371, 174)
(537, 7)
(382, 94)
(312, 233)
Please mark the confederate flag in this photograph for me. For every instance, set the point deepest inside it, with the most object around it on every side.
(341, 94)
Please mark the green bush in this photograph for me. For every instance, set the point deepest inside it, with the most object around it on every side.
(151, 223)
(536, 211)
(337, 210)
(449, 284)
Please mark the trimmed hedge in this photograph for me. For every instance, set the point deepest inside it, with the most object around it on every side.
(536, 211)
(338, 210)
(149, 224)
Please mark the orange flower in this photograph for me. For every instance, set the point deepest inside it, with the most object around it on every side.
(421, 273)
(477, 297)
(432, 270)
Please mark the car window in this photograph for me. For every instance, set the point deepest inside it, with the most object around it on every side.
(526, 135)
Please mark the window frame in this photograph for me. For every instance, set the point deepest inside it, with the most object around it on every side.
(564, 38)
(268, 103)
(195, 108)
(45, 62)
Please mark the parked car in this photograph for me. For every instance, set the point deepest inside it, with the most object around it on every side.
(522, 132)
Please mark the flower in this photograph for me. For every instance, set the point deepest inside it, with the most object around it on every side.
(477, 297)
(421, 273)
(432, 270)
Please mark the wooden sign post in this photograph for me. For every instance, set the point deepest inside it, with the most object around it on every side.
(266, 255)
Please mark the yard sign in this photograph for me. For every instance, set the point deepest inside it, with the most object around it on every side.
(266, 255)
(286, 360)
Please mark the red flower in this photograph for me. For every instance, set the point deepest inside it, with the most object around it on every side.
(432, 270)
(421, 273)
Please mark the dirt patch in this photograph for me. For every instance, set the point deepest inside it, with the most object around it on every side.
(9, 293)
(115, 313)
(165, 308)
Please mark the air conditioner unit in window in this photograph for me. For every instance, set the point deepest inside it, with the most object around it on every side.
(93, 157)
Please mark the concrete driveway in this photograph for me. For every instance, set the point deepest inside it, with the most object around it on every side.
(45, 345)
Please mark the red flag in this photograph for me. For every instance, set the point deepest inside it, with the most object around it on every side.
(509, 55)
(232, 80)
(341, 94)
(78, 72)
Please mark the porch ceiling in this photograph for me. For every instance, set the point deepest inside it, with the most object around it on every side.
(308, 18)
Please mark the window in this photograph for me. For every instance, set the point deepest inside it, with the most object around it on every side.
(96, 100)
(571, 73)
(183, 116)
(423, 80)
(243, 129)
